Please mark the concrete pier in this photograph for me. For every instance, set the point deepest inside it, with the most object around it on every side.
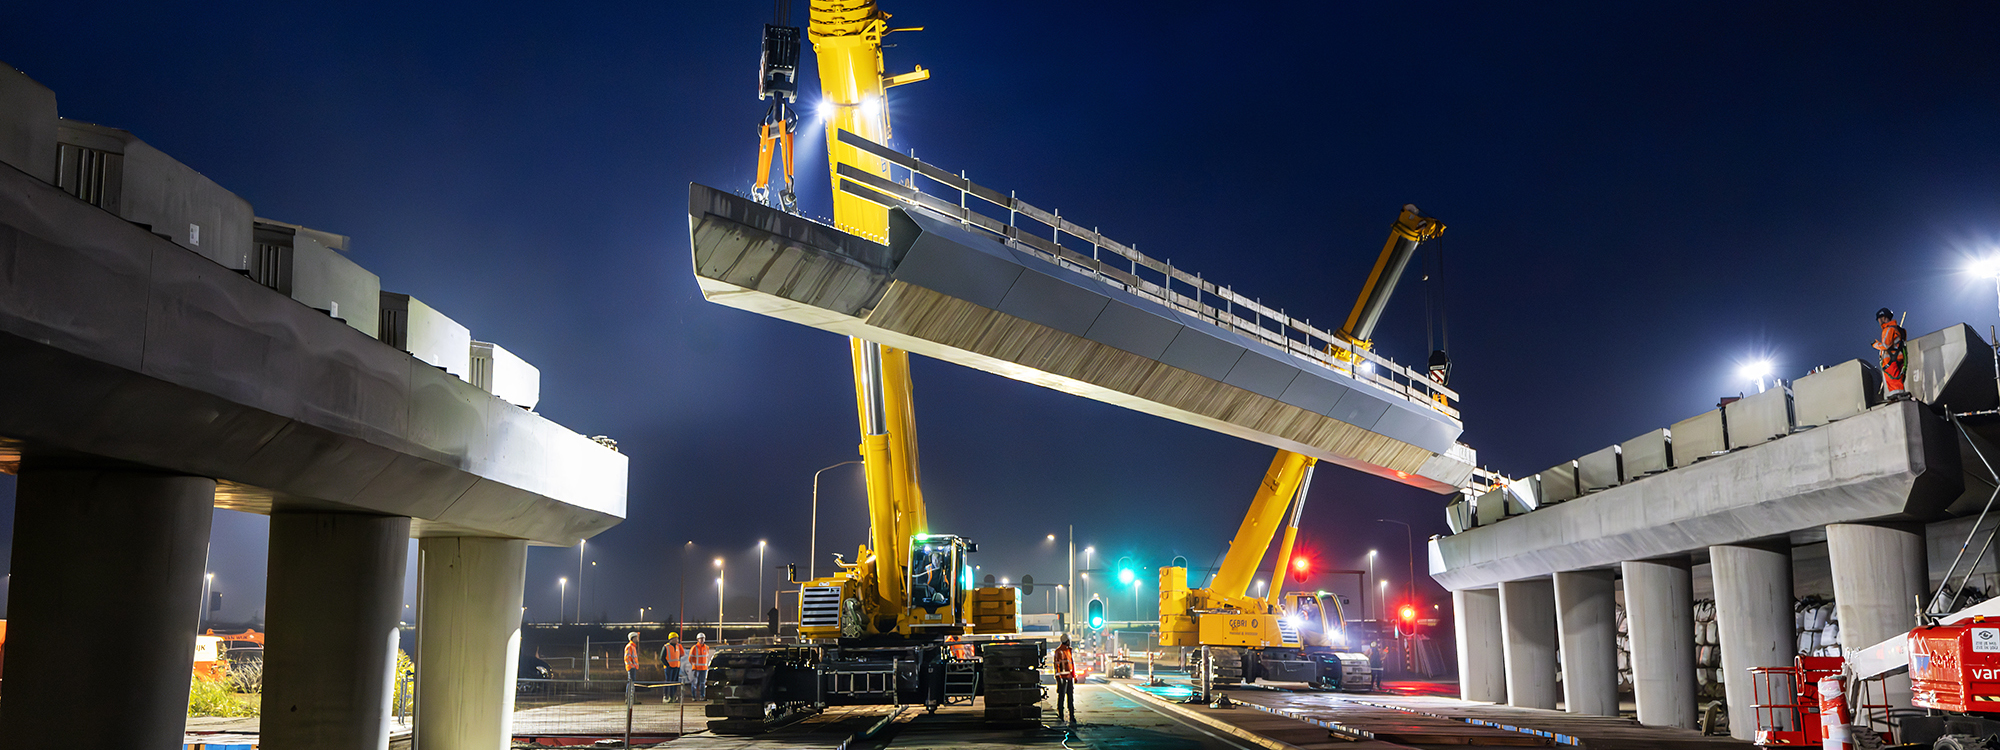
(1753, 612)
(468, 641)
(335, 596)
(1587, 626)
(1878, 578)
(1659, 625)
(106, 590)
(1482, 659)
(1528, 624)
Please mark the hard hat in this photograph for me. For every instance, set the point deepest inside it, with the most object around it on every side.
(673, 636)
(1065, 638)
(632, 636)
(1884, 313)
(701, 636)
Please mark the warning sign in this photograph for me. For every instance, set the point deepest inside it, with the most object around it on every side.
(1986, 640)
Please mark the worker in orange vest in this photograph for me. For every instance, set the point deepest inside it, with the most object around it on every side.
(1065, 680)
(631, 661)
(1895, 354)
(698, 658)
(959, 649)
(671, 656)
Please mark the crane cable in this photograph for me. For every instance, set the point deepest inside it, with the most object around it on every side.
(1434, 300)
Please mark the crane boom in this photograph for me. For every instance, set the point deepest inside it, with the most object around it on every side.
(1260, 525)
(1410, 230)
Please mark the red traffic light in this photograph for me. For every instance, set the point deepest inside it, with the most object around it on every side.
(1407, 613)
(1301, 568)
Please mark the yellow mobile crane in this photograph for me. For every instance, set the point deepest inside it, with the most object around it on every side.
(1297, 637)
(877, 631)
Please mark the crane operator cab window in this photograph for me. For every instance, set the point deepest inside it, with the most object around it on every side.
(934, 567)
(1319, 618)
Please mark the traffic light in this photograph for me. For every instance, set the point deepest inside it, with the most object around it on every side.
(1406, 619)
(1096, 612)
(1125, 575)
(1301, 569)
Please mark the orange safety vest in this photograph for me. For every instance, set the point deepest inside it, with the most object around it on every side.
(1065, 665)
(699, 656)
(674, 654)
(631, 655)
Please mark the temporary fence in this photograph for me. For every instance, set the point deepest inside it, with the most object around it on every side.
(570, 709)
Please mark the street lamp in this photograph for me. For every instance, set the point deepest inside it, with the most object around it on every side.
(207, 582)
(562, 607)
(812, 552)
(1364, 589)
(1988, 267)
(719, 575)
(1260, 587)
(1410, 550)
(1137, 583)
(579, 578)
(760, 575)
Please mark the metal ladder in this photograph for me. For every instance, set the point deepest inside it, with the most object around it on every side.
(961, 681)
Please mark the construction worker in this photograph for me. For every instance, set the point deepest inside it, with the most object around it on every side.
(671, 656)
(1065, 669)
(960, 649)
(1893, 344)
(698, 658)
(631, 662)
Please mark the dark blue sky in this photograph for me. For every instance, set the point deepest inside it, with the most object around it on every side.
(1639, 198)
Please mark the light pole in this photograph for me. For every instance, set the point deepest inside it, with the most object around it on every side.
(1410, 551)
(579, 578)
(1136, 584)
(760, 575)
(718, 598)
(562, 599)
(812, 552)
(1364, 589)
(207, 582)
(1088, 552)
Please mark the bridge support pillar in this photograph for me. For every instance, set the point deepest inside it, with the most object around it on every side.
(1879, 574)
(335, 596)
(1528, 622)
(1587, 625)
(1482, 662)
(1753, 614)
(1659, 623)
(106, 591)
(468, 641)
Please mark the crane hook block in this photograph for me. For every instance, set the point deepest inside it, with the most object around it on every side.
(778, 73)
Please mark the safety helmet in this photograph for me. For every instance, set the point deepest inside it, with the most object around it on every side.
(1884, 313)
(632, 636)
(1065, 638)
(673, 636)
(701, 636)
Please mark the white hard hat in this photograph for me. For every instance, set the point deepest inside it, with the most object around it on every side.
(701, 636)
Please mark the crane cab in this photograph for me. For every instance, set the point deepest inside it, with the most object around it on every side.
(1318, 618)
(940, 584)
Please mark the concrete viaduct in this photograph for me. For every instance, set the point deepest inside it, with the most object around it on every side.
(1813, 487)
(164, 352)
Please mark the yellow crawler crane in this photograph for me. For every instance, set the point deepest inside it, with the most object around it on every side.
(1302, 636)
(877, 631)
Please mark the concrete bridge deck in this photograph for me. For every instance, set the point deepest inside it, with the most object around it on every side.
(946, 291)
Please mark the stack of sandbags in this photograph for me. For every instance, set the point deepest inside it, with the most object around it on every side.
(1707, 651)
(1817, 625)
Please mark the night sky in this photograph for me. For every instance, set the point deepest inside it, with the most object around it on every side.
(1639, 200)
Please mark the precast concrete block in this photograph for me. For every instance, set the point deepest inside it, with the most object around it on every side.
(1557, 484)
(1601, 469)
(1644, 455)
(1759, 418)
(1952, 368)
(1698, 437)
(1490, 507)
(27, 125)
(1835, 393)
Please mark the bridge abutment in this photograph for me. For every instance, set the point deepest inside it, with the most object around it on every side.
(468, 640)
(335, 597)
(107, 573)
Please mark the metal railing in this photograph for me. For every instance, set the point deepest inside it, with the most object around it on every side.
(1141, 275)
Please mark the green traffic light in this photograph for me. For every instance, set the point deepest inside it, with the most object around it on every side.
(1096, 614)
(1125, 575)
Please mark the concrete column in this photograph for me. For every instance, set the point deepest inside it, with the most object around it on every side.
(1587, 627)
(1879, 575)
(334, 596)
(1528, 622)
(1753, 612)
(1482, 661)
(468, 640)
(106, 592)
(1659, 626)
